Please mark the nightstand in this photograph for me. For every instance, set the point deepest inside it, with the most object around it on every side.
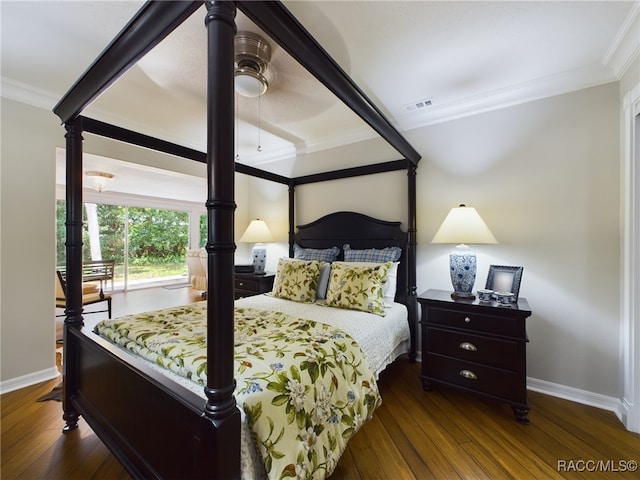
(476, 346)
(248, 284)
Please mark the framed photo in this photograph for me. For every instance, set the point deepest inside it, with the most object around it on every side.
(503, 278)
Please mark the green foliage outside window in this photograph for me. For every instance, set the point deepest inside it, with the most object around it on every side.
(157, 240)
(111, 220)
(157, 236)
(61, 212)
(203, 230)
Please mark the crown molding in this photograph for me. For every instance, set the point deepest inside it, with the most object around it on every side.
(268, 156)
(526, 92)
(345, 137)
(536, 89)
(28, 94)
(625, 47)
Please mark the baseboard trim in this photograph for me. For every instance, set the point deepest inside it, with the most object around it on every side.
(576, 395)
(12, 384)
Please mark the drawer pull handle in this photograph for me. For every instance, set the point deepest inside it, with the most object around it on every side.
(241, 284)
(468, 374)
(470, 347)
(467, 319)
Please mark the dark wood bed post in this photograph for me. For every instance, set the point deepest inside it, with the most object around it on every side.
(412, 303)
(292, 215)
(221, 409)
(73, 247)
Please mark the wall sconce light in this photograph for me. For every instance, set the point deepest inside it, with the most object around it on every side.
(463, 225)
(257, 232)
(99, 180)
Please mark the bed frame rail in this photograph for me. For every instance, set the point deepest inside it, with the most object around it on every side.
(109, 388)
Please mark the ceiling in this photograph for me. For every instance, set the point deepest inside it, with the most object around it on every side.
(464, 57)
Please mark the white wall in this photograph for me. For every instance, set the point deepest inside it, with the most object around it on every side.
(544, 176)
(270, 203)
(27, 245)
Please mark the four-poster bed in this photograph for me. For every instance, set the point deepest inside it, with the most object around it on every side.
(129, 405)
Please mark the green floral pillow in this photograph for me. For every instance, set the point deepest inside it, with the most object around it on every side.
(358, 287)
(297, 280)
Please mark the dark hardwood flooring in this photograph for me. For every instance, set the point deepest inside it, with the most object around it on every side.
(443, 434)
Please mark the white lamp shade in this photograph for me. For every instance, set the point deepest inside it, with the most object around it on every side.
(463, 225)
(257, 232)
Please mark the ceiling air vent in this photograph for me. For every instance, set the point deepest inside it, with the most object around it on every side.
(420, 104)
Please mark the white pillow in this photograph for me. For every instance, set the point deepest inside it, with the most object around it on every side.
(323, 281)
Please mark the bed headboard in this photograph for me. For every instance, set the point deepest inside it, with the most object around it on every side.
(360, 231)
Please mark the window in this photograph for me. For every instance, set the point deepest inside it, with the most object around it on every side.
(157, 244)
(147, 244)
(203, 230)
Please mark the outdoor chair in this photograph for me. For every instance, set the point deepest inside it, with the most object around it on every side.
(91, 293)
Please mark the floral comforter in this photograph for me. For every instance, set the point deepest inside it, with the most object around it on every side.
(305, 387)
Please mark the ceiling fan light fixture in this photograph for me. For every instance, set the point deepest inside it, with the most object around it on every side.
(252, 54)
(250, 83)
(99, 180)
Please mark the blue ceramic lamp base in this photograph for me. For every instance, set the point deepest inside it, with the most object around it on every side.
(259, 254)
(462, 265)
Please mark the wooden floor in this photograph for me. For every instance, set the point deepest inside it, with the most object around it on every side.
(443, 434)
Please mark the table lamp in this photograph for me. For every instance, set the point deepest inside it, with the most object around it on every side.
(463, 226)
(257, 232)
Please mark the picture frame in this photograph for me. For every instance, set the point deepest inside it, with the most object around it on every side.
(504, 278)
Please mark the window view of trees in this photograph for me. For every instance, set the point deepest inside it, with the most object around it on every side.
(203, 230)
(147, 244)
(158, 241)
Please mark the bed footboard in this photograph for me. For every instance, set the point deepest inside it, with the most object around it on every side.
(154, 426)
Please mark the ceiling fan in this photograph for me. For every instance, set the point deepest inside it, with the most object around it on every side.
(252, 55)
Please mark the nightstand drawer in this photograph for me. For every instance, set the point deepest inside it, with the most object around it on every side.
(475, 348)
(478, 322)
(479, 378)
(247, 284)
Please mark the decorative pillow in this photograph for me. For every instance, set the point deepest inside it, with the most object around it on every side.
(297, 280)
(391, 285)
(378, 255)
(322, 254)
(358, 287)
(391, 282)
(323, 281)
